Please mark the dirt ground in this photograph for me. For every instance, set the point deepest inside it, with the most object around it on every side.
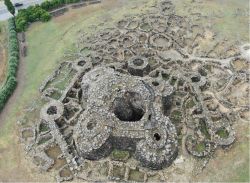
(3, 64)
(3, 51)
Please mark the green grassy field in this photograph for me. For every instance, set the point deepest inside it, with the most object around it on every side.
(228, 18)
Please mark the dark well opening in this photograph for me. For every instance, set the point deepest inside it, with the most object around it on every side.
(155, 83)
(157, 136)
(126, 39)
(81, 63)
(195, 79)
(149, 117)
(138, 62)
(69, 112)
(91, 125)
(129, 107)
(52, 110)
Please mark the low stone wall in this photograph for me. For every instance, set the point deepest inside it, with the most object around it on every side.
(94, 1)
(59, 12)
(78, 5)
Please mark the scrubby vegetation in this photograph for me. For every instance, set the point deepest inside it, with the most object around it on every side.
(29, 15)
(13, 52)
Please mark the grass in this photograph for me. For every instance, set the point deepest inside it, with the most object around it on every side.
(176, 116)
(221, 14)
(200, 147)
(230, 165)
(62, 80)
(135, 175)
(204, 129)
(43, 127)
(47, 43)
(67, 78)
(190, 103)
(119, 172)
(120, 155)
(43, 140)
(55, 95)
(223, 133)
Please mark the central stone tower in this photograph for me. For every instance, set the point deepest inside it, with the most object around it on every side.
(124, 112)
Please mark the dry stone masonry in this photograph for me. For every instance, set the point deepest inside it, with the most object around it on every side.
(138, 96)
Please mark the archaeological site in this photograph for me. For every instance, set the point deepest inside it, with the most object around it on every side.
(142, 101)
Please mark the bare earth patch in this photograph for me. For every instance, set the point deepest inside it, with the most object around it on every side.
(3, 52)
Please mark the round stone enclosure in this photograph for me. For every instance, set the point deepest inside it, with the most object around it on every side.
(52, 110)
(138, 66)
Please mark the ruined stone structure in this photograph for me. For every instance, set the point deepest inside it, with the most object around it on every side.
(141, 88)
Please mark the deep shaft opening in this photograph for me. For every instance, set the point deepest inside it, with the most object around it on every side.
(157, 136)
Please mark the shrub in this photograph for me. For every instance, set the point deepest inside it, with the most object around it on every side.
(45, 17)
(13, 54)
(7, 90)
(72, 1)
(21, 24)
(49, 5)
(29, 15)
